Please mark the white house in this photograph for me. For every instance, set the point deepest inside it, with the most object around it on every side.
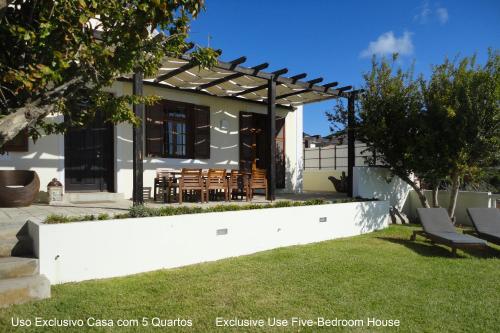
(207, 118)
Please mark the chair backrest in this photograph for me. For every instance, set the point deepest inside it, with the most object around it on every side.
(259, 178)
(435, 220)
(165, 172)
(485, 220)
(191, 178)
(216, 178)
(233, 178)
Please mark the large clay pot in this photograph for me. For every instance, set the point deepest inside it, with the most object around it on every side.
(18, 188)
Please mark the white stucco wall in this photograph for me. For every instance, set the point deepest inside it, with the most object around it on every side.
(465, 199)
(120, 247)
(378, 183)
(46, 156)
(316, 180)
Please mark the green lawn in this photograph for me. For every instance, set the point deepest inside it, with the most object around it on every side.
(381, 275)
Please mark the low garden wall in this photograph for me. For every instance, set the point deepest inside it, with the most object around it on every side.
(465, 199)
(101, 249)
(317, 180)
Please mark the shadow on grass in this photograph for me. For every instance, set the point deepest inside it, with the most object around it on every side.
(428, 249)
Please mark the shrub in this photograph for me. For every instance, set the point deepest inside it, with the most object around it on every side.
(144, 211)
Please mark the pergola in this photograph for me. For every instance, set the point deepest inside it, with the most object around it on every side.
(232, 80)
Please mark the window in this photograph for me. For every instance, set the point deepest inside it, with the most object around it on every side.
(178, 130)
(18, 144)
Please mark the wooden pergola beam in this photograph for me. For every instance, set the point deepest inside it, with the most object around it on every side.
(345, 88)
(280, 72)
(314, 81)
(298, 76)
(296, 92)
(138, 141)
(271, 139)
(330, 85)
(261, 87)
(231, 77)
(351, 140)
(237, 61)
(175, 72)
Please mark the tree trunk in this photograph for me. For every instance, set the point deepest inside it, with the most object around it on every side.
(418, 190)
(27, 115)
(21, 118)
(455, 183)
(435, 192)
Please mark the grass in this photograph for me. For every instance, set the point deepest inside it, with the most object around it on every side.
(381, 275)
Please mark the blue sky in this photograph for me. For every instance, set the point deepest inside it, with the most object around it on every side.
(335, 39)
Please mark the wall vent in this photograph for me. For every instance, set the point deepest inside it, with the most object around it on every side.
(221, 232)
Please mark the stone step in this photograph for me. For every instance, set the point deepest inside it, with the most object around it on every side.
(21, 246)
(12, 267)
(23, 289)
(11, 231)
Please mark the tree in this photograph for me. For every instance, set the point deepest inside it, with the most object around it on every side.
(388, 120)
(446, 128)
(462, 106)
(56, 53)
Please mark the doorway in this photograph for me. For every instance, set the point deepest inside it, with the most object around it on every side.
(89, 157)
(253, 145)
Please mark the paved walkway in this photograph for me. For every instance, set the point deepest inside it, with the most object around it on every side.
(11, 217)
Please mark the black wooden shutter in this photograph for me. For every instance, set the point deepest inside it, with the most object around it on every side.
(246, 141)
(201, 121)
(155, 117)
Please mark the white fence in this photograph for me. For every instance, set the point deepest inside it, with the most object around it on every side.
(334, 157)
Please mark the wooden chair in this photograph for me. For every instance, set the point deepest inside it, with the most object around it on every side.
(258, 181)
(191, 180)
(238, 184)
(165, 184)
(216, 181)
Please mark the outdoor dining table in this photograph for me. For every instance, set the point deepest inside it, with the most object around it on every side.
(174, 177)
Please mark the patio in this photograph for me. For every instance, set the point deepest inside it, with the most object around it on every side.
(13, 217)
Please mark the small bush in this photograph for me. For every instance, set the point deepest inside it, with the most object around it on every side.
(103, 216)
(143, 211)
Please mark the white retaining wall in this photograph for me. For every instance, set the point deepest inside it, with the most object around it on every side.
(103, 249)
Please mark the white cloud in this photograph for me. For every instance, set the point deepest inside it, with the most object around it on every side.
(427, 12)
(442, 14)
(387, 44)
(424, 13)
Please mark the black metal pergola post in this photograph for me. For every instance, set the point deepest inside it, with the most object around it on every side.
(351, 148)
(138, 141)
(271, 134)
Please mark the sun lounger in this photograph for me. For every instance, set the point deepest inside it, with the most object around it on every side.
(439, 229)
(486, 222)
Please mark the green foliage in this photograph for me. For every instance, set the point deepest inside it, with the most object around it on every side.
(145, 211)
(462, 113)
(447, 127)
(52, 54)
